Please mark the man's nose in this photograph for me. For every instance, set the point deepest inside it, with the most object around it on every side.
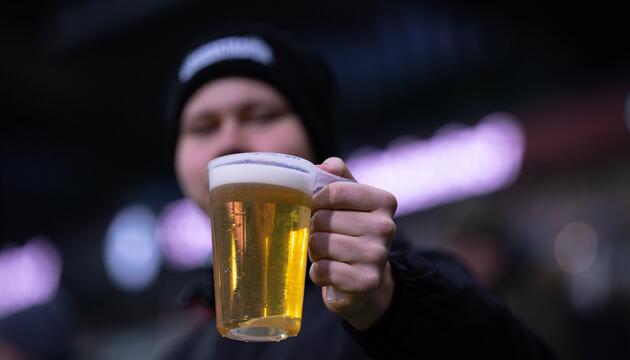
(231, 136)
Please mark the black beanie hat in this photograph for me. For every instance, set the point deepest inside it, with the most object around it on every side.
(259, 52)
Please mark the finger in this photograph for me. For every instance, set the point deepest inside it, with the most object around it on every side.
(344, 277)
(344, 248)
(335, 165)
(354, 196)
(353, 223)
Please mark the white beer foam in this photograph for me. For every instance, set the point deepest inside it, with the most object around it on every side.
(260, 174)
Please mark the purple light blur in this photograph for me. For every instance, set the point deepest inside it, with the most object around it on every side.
(185, 235)
(29, 275)
(457, 163)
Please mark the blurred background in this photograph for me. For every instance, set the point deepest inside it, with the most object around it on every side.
(502, 128)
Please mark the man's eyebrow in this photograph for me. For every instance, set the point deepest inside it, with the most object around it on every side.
(248, 105)
(201, 115)
(255, 103)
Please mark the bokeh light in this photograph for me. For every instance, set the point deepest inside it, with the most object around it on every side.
(185, 235)
(132, 256)
(29, 275)
(576, 247)
(458, 162)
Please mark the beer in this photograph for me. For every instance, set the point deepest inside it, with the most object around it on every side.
(260, 227)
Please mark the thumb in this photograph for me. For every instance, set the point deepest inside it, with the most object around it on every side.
(336, 166)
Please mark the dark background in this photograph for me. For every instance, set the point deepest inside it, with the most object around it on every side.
(83, 88)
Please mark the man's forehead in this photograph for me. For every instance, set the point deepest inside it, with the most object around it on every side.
(229, 93)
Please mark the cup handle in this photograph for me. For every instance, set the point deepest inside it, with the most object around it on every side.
(323, 178)
(332, 296)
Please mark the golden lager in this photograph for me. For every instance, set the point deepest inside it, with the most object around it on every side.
(260, 227)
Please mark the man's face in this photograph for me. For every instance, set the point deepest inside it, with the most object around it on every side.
(232, 115)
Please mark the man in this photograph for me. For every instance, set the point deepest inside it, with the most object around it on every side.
(248, 88)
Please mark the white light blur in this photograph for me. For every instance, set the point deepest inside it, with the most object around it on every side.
(185, 235)
(29, 275)
(132, 256)
(457, 163)
(576, 247)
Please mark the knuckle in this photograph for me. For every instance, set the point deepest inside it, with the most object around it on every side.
(370, 281)
(386, 227)
(376, 254)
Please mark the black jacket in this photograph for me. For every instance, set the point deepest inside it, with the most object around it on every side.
(438, 310)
